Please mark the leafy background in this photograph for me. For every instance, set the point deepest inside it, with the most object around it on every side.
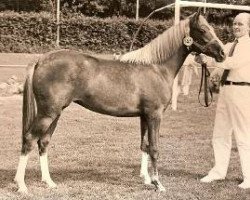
(36, 32)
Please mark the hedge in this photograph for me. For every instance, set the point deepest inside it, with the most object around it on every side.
(36, 33)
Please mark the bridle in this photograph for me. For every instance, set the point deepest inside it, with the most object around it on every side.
(190, 42)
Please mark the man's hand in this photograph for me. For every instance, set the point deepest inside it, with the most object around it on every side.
(214, 80)
(201, 59)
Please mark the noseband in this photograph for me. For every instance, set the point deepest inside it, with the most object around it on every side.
(188, 41)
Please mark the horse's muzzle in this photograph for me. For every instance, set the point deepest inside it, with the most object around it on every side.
(215, 50)
(221, 57)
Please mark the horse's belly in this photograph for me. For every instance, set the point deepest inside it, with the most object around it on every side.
(111, 105)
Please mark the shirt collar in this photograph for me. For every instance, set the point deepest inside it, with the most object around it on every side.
(243, 38)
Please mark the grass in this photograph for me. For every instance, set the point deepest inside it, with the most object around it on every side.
(97, 157)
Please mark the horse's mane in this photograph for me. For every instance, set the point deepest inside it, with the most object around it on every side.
(161, 48)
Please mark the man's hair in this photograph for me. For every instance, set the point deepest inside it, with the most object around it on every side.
(246, 15)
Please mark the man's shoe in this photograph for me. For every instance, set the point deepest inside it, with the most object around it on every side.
(209, 179)
(244, 185)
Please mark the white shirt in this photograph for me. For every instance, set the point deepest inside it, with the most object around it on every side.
(239, 63)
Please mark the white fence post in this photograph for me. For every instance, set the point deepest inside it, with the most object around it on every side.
(58, 23)
(137, 10)
(175, 89)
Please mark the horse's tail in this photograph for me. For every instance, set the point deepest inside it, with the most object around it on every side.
(29, 103)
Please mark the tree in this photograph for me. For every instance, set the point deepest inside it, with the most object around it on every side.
(26, 5)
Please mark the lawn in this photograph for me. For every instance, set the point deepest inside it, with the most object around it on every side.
(97, 157)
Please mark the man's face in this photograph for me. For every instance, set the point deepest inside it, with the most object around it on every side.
(241, 26)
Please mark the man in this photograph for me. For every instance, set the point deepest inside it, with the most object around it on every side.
(233, 107)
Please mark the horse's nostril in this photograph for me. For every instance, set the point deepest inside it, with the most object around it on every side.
(222, 53)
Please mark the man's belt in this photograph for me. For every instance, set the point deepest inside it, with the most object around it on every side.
(237, 83)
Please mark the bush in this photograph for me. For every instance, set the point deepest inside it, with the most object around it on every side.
(26, 32)
(36, 33)
(107, 35)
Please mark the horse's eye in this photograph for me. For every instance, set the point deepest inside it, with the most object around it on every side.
(203, 30)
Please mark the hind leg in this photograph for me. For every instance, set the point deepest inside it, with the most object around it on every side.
(28, 143)
(43, 143)
(40, 133)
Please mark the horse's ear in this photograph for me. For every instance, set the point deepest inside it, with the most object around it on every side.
(195, 17)
(199, 11)
(197, 14)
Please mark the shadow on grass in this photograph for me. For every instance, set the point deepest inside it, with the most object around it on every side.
(178, 173)
(94, 175)
(171, 172)
(65, 175)
(118, 178)
(7, 178)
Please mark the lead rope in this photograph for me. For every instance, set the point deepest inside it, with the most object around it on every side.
(207, 90)
(188, 42)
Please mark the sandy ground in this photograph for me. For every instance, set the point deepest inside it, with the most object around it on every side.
(15, 64)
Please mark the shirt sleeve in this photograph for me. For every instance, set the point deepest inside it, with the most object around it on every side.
(222, 64)
(239, 59)
(232, 63)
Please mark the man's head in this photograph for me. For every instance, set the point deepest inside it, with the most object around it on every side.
(241, 25)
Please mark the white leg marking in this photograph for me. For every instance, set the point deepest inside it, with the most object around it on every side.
(19, 178)
(144, 168)
(45, 171)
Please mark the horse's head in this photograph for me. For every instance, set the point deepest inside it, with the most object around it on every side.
(204, 39)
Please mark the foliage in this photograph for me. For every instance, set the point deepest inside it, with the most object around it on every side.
(26, 5)
(27, 31)
(36, 32)
(110, 8)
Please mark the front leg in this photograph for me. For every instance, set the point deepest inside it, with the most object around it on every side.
(153, 137)
(144, 148)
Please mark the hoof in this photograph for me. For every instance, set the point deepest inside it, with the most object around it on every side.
(23, 190)
(161, 189)
(50, 183)
(21, 186)
(159, 186)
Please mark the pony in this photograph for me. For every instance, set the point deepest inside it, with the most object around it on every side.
(138, 84)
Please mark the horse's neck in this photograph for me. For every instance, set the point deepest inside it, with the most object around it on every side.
(160, 49)
(174, 63)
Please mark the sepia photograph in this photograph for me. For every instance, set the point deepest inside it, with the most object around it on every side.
(125, 99)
